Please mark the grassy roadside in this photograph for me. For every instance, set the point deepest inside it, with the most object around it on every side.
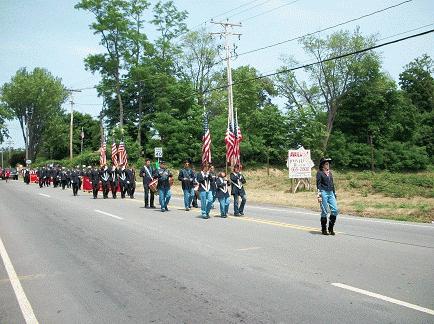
(398, 196)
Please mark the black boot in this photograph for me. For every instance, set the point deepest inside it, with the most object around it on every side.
(331, 224)
(324, 225)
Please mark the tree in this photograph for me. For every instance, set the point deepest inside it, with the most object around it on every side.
(5, 114)
(199, 61)
(170, 25)
(112, 25)
(34, 98)
(417, 82)
(328, 80)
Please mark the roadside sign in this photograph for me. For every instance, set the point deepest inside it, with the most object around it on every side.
(299, 163)
(158, 152)
(28, 161)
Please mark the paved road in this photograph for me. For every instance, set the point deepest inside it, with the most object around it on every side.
(81, 260)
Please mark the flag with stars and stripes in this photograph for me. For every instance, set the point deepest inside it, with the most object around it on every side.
(123, 157)
(232, 139)
(114, 154)
(206, 141)
(102, 154)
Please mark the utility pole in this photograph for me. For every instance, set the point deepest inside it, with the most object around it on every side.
(9, 144)
(72, 120)
(226, 32)
(82, 137)
(2, 158)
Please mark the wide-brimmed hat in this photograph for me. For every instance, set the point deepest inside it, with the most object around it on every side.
(324, 160)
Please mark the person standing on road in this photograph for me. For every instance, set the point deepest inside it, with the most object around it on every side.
(165, 178)
(75, 181)
(146, 173)
(114, 180)
(326, 196)
(7, 174)
(131, 182)
(237, 190)
(186, 176)
(205, 194)
(104, 175)
(222, 194)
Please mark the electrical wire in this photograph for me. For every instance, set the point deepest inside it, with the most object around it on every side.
(268, 11)
(325, 29)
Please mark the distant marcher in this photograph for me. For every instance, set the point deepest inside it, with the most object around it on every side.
(213, 178)
(75, 181)
(7, 174)
(165, 178)
(222, 194)
(146, 173)
(326, 196)
(186, 176)
(205, 194)
(237, 190)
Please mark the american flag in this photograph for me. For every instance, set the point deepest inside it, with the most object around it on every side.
(232, 139)
(102, 154)
(114, 154)
(123, 158)
(206, 139)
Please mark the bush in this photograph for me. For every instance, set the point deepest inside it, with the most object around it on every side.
(398, 156)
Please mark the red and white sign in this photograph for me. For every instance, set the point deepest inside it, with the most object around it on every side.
(299, 163)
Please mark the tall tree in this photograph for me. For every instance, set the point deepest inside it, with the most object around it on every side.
(199, 61)
(34, 98)
(112, 26)
(329, 80)
(170, 23)
(417, 82)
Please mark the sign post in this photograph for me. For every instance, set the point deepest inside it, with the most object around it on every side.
(299, 167)
(158, 153)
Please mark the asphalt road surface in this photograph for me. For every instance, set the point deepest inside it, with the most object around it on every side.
(68, 259)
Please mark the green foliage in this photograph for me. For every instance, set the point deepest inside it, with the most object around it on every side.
(34, 98)
(399, 185)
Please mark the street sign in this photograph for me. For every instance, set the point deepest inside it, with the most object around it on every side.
(158, 152)
(28, 161)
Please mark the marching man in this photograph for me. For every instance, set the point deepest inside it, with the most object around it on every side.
(237, 190)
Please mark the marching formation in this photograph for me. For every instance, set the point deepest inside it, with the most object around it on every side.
(205, 186)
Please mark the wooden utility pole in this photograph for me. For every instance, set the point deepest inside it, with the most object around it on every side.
(72, 121)
(226, 33)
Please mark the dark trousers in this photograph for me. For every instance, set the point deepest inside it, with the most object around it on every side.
(74, 189)
(124, 188)
(63, 184)
(41, 183)
(95, 188)
(239, 209)
(148, 192)
(105, 189)
(113, 188)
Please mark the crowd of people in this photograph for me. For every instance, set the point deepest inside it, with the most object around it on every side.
(205, 186)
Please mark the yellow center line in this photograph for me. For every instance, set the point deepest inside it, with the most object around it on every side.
(257, 220)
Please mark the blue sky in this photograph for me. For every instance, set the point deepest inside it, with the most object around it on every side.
(54, 35)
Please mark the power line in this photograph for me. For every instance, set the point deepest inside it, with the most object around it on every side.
(222, 14)
(248, 9)
(271, 10)
(325, 60)
(325, 29)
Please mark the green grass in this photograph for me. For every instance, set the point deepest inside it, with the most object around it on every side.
(398, 185)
